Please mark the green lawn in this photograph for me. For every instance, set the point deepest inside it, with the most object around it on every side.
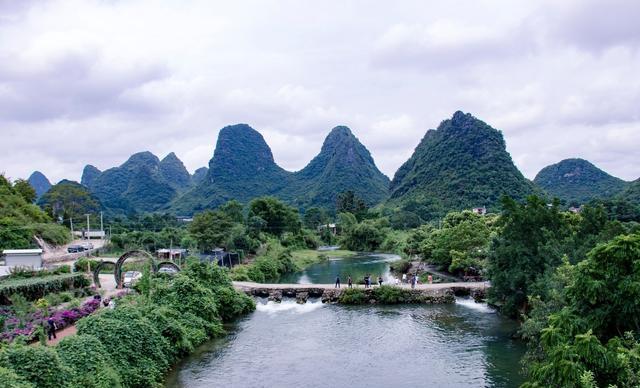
(305, 257)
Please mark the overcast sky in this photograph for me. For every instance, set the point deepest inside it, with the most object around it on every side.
(95, 81)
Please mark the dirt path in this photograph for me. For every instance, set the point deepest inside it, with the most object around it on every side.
(67, 331)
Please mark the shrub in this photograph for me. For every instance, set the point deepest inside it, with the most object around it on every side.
(10, 379)
(164, 319)
(38, 365)
(88, 362)
(139, 353)
(232, 303)
(353, 296)
(240, 273)
(389, 295)
(52, 233)
(83, 265)
(36, 288)
(400, 266)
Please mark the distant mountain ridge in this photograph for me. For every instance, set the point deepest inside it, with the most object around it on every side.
(39, 182)
(462, 164)
(143, 183)
(578, 181)
(243, 168)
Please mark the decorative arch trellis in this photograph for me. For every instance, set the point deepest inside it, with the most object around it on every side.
(117, 272)
(97, 269)
(117, 266)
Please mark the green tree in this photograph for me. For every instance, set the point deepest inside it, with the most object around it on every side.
(211, 229)
(233, 210)
(590, 335)
(69, 200)
(528, 244)
(279, 217)
(315, 217)
(349, 202)
(23, 188)
(366, 236)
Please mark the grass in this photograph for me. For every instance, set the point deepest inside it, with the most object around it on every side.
(305, 257)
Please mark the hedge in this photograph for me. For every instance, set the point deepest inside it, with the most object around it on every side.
(134, 345)
(36, 288)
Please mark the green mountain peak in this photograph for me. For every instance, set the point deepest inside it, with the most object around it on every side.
(460, 165)
(578, 181)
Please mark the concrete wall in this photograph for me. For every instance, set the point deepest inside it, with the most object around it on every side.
(28, 260)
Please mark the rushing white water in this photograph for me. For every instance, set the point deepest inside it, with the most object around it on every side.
(288, 305)
(470, 303)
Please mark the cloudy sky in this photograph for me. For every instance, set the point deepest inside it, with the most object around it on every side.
(95, 81)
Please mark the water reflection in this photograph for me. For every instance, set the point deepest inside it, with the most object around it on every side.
(357, 267)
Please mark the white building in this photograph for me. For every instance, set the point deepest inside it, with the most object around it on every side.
(23, 258)
(480, 210)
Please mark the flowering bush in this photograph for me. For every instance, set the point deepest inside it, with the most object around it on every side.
(62, 318)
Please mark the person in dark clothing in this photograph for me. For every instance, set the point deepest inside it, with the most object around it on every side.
(349, 282)
(51, 328)
(380, 280)
(337, 281)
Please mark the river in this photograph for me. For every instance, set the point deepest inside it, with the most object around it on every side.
(315, 345)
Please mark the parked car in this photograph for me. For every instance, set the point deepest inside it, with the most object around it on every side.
(87, 246)
(75, 248)
(169, 270)
(130, 278)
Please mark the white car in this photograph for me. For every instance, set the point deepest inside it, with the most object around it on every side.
(130, 278)
(87, 246)
(169, 270)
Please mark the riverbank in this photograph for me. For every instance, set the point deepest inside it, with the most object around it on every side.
(306, 257)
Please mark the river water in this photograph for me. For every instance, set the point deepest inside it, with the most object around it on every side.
(315, 345)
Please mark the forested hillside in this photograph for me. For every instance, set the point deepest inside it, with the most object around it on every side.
(462, 164)
(243, 168)
(20, 219)
(577, 181)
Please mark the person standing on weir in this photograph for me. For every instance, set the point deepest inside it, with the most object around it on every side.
(337, 281)
(349, 282)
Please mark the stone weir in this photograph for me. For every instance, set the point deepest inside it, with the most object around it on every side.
(327, 293)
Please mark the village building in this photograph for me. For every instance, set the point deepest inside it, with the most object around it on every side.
(28, 258)
(480, 210)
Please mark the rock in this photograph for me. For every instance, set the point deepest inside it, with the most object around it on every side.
(301, 297)
(275, 296)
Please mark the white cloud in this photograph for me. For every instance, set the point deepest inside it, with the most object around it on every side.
(93, 81)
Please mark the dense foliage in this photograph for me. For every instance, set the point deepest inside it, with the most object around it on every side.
(20, 220)
(584, 334)
(632, 193)
(576, 181)
(67, 199)
(365, 236)
(461, 165)
(37, 287)
(134, 344)
(143, 183)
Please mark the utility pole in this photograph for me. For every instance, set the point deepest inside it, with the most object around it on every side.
(71, 221)
(101, 224)
(87, 225)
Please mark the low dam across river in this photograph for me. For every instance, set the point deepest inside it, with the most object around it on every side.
(438, 293)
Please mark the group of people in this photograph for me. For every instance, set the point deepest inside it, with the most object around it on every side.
(411, 279)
